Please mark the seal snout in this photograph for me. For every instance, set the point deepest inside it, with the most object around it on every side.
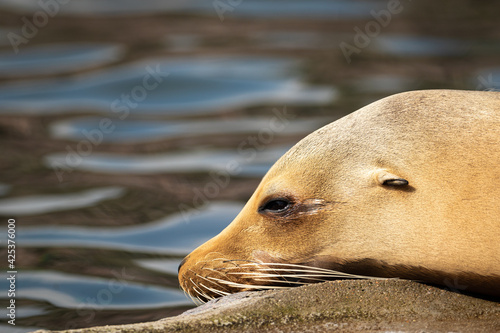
(182, 263)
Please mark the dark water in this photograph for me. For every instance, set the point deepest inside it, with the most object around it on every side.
(256, 8)
(133, 131)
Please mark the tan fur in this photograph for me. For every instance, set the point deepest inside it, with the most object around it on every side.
(443, 227)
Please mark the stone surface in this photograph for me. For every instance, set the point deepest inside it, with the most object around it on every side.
(347, 306)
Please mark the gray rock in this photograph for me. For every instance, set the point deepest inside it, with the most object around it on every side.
(347, 306)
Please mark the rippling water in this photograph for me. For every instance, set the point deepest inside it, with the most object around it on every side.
(131, 138)
(177, 234)
(148, 130)
(166, 87)
(256, 8)
(74, 291)
(39, 204)
(57, 58)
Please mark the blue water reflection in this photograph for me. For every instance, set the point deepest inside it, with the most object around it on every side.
(80, 292)
(47, 203)
(256, 8)
(340, 9)
(129, 131)
(174, 235)
(57, 58)
(296, 40)
(184, 86)
(168, 266)
(243, 161)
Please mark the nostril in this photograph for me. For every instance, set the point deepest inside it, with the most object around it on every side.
(180, 265)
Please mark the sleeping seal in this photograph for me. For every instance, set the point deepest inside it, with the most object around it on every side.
(407, 187)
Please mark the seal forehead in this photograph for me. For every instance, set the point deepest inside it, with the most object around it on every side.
(296, 176)
(391, 130)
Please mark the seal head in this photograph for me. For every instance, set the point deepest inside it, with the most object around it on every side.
(406, 187)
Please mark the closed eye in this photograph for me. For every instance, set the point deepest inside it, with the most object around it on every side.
(278, 205)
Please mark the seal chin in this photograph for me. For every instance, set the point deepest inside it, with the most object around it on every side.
(216, 276)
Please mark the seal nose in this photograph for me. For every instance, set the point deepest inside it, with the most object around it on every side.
(180, 265)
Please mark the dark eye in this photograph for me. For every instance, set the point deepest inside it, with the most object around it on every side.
(275, 206)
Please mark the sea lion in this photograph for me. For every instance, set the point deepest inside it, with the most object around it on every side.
(407, 187)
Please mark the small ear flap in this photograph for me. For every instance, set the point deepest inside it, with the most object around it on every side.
(386, 178)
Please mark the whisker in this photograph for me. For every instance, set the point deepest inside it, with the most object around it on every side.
(253, 275)
(321, 278)
(190, 297)
(198, 291)
(242, 260)
(275, 281)
(202, 294)
(324, 275)
(221, 272)
(197, 297)
(195, 289)
(249, 286)
(208, 280)
(280, 275)
(231, 261)
(292, 265)
(310, 269)
(308, 277)
(218, 292)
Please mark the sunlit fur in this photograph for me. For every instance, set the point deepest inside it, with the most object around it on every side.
(406, 187)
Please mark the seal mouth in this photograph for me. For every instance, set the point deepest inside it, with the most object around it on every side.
(231, 276)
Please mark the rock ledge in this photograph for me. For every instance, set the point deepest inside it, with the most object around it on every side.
(357, 306)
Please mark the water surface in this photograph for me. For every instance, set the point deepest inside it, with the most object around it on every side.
(244, 161)
(57, 58)
(41, 204)
(168, 87)
(174, 235)
(255, 8)
(75, 291)
(415, 46)
(127, 131)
